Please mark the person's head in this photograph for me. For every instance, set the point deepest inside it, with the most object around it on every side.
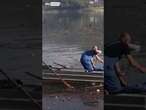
(96, 49)
(125, 38)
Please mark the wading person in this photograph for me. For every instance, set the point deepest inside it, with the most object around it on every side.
(89, 60)
(114, 77)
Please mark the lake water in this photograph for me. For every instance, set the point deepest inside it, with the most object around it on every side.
(20, 44)
(67, 33)
(72, 100)
(69, 102)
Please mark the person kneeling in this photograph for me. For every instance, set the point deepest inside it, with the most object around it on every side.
(89, 60)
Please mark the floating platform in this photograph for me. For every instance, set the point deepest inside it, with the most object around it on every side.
(73, 75)
(14, 99)
(125, 102)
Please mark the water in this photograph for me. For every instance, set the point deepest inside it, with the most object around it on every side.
(72, 100)
(20, 45)
(69, 102)
(67, 33)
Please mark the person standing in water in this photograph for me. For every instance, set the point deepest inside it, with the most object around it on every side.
(114, 77)
(88, 59)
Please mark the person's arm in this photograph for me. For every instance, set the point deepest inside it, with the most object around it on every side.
(118, 68)
(92, 62)
(135, 64)
(98, 58)
(121, 75)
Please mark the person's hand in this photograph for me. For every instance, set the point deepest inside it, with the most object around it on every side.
(121, 73)
(123, 78)
(143, 69)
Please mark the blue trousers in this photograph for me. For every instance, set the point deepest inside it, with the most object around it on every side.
(86, 63)
(111, 80)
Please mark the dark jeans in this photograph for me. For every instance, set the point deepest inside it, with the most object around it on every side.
(86, 63)
(111, 81)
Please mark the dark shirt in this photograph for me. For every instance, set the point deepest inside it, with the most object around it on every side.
(116, 49)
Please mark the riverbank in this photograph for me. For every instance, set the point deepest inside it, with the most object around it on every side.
(96, 9)
(89, 8)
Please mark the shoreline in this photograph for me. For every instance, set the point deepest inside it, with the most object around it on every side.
(92, 9)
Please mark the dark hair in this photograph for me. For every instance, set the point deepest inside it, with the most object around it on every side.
(123, 35)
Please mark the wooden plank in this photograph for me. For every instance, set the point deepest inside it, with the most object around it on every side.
(70, 76)
(18, 99)
(12, 98)
(69, 71)
(126, 105)
(123, 107)
(17, 105)
(125, 101)
(95, 79)
(73, 79)
(14, 93)
(73, 75)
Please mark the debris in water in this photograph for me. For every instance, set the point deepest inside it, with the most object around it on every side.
(98, 90)
(49, 108)
(56, 97)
